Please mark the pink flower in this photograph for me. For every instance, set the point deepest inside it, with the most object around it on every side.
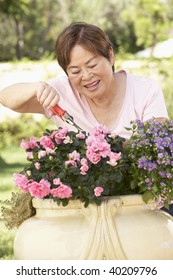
(30, 155)
(93, 157)
(21, 181)
(41, 154)
(114, 157)
(80, 135)
(84, 168)
(37, 165)
(70, 162)
(24, 144)
(67, 140)
(46, 142)
(94, 139)
(62, 191)
(31, 144)
(99, 130)
(98, 191)
(97, 134)
(59, 135)
(39, 190)
(49, 151)
(57, 181)
(83, 161)
(102, 147)
(97, 143)
(74, 155)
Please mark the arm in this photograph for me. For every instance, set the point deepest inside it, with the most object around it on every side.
(29, 97)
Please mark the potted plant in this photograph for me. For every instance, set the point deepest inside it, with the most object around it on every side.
(98, 184)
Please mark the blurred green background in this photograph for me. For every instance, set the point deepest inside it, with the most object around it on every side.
(140, 31)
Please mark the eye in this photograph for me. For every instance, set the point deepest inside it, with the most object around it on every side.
(92, 66)
(76, 72)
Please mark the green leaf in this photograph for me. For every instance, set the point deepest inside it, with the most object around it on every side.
(166, 204)
(128, 128)
(147, 196)
(133, 184)
(86, 203)
(171, 195)
(65, 202)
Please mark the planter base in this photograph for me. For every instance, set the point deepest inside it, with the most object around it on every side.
(121, 228)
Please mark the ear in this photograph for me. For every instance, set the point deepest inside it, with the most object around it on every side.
(111, 56)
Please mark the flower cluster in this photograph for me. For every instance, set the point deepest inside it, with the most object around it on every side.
(65, 165)
(151, 155)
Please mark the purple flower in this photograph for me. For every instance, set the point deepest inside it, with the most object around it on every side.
(146, 164)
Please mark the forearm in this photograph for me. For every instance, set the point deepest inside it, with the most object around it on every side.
(21, 98)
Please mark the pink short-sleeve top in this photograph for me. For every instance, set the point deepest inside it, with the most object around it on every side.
(144, 99)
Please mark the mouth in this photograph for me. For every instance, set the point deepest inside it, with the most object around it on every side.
(92, 86)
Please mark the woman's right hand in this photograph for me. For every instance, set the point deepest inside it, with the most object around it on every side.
(29, 97)
(46, 95)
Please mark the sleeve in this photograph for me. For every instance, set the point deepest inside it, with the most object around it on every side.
(154, 103)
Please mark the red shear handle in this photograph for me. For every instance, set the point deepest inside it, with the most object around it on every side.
(58, 111)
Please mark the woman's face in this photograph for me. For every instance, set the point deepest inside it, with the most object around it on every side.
(89, 73)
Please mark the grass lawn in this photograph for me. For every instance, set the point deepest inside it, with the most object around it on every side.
(12, 160)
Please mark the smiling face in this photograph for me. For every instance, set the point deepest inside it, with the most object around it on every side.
(90, 73)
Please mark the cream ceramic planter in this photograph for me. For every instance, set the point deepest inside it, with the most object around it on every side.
(120, 228)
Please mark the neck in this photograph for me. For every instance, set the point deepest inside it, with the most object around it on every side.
(107, 98)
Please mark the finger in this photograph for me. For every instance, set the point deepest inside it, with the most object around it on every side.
(51, 100)
(39, 90)
(44, 95)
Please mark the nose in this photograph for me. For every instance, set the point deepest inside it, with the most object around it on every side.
(86, 74)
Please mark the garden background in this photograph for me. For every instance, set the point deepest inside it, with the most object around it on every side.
(28, 29)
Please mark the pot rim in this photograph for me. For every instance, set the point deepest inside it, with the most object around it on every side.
(131, 199)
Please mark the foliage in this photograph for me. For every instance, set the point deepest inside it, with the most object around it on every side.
(128, 23)
(151, 20)
(13, 213)
(150, 151)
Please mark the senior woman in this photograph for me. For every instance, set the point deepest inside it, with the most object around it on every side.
(89, 88)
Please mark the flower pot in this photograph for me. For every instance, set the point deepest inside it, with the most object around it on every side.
(121, 228)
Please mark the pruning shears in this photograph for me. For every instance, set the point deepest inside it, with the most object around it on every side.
(64, 115)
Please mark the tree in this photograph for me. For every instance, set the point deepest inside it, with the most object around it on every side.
(16, 10)
(29, 28)
(38, 23)
(120, 31)
(151, 21)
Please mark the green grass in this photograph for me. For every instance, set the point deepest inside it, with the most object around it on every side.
(6, 243)
(12, 160)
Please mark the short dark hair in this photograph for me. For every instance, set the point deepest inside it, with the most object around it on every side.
(86, 35)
